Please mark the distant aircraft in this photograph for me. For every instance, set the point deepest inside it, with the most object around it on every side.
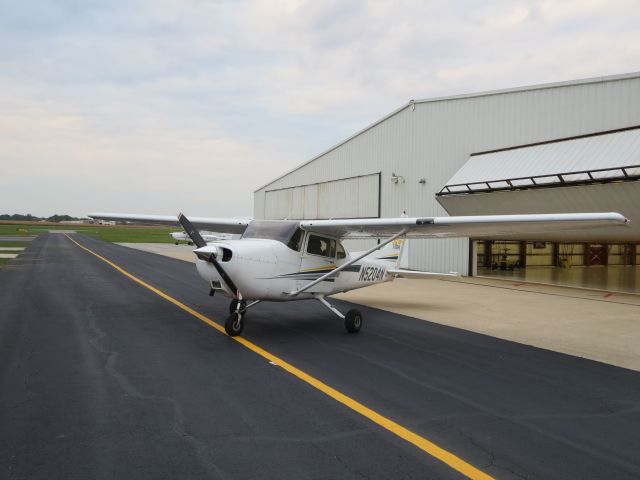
(207, 236)
(285, 260)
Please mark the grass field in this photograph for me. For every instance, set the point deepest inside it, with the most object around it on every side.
(107, 233)
(13, 244)
(4, 261)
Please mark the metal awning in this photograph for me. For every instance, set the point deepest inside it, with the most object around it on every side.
(599, 158)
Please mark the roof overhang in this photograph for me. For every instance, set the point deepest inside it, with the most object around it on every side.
(591, 173)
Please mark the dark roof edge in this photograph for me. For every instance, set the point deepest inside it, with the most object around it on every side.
(556, 140)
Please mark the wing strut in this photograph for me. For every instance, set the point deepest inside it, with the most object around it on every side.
(350, 262)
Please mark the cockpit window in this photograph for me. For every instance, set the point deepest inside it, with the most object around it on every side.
(296, 240)
(323, 246)
(341, 252)
(282, 231)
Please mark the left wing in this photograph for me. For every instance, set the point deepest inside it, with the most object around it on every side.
(487, 226)
(223, 225)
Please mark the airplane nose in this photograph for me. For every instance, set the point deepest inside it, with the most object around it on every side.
(205, 253)
(222, 254)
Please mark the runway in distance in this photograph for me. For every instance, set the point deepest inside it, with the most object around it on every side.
(287, 260)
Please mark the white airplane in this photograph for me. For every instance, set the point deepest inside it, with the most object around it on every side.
(285, 260)
(206, 236)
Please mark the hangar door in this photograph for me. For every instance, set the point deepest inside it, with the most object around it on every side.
(354, 197)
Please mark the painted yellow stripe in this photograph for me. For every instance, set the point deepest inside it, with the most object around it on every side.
(422, 443)
(331, 267)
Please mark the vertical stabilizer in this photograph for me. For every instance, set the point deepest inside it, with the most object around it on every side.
(392, 252)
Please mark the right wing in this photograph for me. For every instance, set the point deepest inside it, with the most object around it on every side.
(223, 225)
(480, 226)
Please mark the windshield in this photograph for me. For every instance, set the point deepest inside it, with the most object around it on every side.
(281, 230)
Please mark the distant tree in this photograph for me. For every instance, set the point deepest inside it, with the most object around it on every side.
(60, 218)
(17, 217)
(28, 217)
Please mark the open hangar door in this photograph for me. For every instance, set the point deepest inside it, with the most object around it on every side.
(594, 173)
(606, 266)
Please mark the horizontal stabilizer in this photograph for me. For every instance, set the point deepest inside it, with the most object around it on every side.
(418, 274)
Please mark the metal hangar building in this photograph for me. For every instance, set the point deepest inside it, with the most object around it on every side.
(563, 147)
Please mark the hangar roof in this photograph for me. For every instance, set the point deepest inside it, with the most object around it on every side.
(412, 103)
(596, 158)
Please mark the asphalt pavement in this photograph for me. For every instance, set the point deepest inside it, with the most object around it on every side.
(102, 378)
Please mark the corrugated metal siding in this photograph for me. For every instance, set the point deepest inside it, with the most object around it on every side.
(434, 139)
(612, 150)
(355, 197)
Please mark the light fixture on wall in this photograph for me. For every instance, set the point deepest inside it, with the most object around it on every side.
(396, 178)
(423, 181)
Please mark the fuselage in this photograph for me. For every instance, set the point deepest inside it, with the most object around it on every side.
(267, 269)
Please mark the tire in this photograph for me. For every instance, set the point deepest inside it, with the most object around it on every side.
(234, 305)
(234, 324)
(353, 321)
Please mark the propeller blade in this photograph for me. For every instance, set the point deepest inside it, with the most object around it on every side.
(224, 275)
(194, 235)
(209, 257)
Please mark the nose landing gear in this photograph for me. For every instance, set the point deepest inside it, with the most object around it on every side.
(234, 323)
(233, 306)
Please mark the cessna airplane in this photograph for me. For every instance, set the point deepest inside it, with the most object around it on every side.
(285, 260)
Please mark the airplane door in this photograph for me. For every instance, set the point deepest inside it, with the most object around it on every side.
(318, 258)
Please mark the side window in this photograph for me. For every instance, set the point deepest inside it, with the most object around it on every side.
(323, 246)
(341, 252)
(296, 240)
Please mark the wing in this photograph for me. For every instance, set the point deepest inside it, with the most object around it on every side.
(223, 225)
(484, 226)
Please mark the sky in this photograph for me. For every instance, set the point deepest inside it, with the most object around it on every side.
(190, 105)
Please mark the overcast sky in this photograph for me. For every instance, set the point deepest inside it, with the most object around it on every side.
(159, 106)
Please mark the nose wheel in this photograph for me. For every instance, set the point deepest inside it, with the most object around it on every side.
(234, 324)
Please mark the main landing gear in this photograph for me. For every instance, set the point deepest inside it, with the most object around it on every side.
(352, 320)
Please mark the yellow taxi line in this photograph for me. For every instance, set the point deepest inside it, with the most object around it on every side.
(422, 443)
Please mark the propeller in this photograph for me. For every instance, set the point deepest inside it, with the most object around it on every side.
(207, 256)
(191, 231)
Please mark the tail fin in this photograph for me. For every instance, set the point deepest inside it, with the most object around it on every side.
(392, 252)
